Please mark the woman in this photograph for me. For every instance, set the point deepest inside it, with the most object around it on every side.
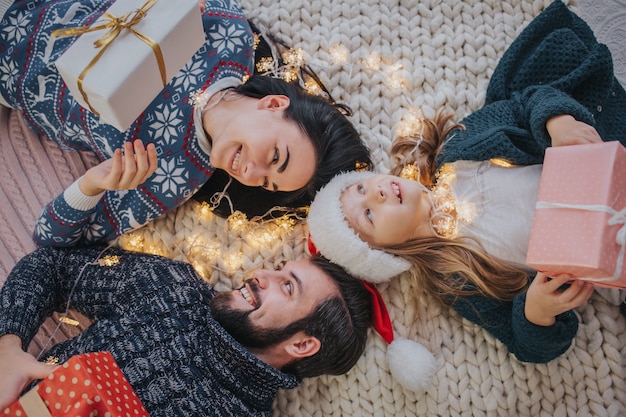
(264, 133)
(464, 233)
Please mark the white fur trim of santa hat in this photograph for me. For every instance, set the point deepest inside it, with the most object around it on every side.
(337, 241)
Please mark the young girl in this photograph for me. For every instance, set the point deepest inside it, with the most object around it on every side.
(264, 133)
(463, 227)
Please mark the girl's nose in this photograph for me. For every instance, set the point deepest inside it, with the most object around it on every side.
(380, 194)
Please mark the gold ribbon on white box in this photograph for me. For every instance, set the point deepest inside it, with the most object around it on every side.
(115, 26)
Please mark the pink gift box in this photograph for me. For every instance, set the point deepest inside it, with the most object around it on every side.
(579, 219)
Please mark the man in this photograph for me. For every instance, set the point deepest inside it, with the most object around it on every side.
(186, 349)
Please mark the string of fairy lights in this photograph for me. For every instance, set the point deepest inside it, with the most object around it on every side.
(207, 253)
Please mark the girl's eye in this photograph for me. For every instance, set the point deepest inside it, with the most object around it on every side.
(368, 215)
(289, 287)
(266, 183)
(276, 156)
(360, 188)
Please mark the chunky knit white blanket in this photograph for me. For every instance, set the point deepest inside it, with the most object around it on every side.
(386, 59)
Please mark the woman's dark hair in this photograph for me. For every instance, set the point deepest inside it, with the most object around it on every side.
(338, 146)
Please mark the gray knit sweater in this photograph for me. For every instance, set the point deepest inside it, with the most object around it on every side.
(153, 315)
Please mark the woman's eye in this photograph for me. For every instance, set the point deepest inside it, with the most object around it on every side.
(276, 156)
(266, 183)
(368, 215)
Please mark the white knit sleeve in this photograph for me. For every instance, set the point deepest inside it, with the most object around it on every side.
(76, 199)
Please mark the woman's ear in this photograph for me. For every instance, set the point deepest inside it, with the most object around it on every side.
(273, 102)
(302, 346)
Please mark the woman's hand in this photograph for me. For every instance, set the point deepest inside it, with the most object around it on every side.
(544, 300)
(17, 369)
(121, 172)
(565, 130)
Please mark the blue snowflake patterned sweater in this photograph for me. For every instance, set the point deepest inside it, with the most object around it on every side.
(30, 82)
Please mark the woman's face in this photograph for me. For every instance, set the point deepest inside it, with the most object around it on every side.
(258, 146)
(385, 210)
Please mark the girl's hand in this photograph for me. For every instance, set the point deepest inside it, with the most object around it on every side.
(565, 130)
(544, 301)
(121, 172)
(17, 369)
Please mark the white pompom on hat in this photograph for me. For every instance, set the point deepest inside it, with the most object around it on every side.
(410, 363)
(336, 240)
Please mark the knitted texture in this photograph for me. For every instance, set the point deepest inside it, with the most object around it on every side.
(153, 315)
(554, 67)
(447, 51)
(607, 22)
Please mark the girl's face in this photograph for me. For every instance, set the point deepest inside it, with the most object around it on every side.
(258, 146)
(385, 210)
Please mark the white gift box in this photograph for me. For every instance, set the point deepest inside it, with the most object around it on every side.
(126, 78)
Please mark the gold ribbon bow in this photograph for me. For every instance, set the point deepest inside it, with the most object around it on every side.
(115, 25)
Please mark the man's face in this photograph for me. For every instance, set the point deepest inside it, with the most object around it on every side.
(257, 314)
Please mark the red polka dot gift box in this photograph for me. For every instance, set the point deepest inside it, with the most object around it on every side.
(86, 385)
(580, 217)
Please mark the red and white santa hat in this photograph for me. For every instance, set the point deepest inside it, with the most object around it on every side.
(410, 363)
(337, 241)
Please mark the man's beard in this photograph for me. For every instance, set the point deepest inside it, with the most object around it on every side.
(239, 326)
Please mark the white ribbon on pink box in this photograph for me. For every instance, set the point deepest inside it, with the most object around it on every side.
(580, 218)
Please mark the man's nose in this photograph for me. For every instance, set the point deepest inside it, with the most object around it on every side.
(264, 277)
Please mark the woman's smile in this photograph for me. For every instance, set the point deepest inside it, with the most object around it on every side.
(235, 164)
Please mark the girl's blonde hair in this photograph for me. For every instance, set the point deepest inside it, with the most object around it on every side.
(447, 266)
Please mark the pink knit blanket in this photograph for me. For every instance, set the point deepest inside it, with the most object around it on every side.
(33, 171)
